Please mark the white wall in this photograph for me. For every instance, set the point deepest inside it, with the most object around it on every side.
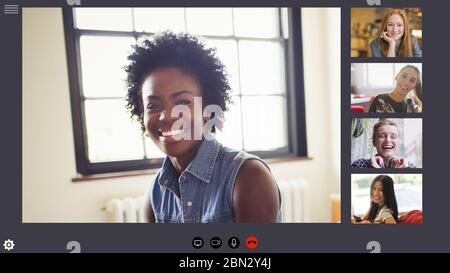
(48, 161)
(321, 55)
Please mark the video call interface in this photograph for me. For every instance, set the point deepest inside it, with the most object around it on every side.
(201, 128)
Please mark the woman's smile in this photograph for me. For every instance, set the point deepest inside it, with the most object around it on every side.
(388, 147)
(170, 136)
(404, 87)
(387, 150)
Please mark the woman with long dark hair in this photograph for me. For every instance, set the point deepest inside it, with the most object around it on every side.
(383, 204)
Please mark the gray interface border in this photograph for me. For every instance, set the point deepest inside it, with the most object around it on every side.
(431, 236)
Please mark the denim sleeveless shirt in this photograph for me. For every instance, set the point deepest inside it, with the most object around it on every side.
(203, 191)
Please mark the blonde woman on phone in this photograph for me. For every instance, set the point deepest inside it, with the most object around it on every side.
(394, 37)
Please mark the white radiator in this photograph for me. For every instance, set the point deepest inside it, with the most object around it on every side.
(127, 210)
(131, 209)
(292, 200)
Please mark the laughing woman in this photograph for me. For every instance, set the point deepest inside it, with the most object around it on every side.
(385, 139)
(200, 180)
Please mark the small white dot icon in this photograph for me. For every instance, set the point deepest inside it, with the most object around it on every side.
(8, 245)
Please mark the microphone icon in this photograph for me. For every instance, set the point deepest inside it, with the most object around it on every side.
(233, 242)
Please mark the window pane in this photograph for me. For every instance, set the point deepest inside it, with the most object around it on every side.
(261, 67)
(159, 19)
(380, 74)
(264, 123)
(209, 21)
(102, 61)
(231, 134)
(151, 150)
(110, 132)
(104, 18)
(409, 197)
(227, 53)
(256, 22)
(412, 141)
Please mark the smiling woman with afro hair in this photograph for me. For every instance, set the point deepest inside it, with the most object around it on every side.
(200, 181)
(185, 52)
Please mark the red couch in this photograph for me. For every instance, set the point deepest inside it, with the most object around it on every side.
(412, 217)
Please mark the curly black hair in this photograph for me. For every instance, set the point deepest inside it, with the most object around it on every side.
(182, 51)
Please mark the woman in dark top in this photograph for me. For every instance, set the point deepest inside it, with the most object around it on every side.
(396, 101)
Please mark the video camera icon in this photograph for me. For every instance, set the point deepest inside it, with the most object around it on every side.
(216, 242)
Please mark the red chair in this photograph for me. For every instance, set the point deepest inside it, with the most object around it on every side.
(357, 108)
